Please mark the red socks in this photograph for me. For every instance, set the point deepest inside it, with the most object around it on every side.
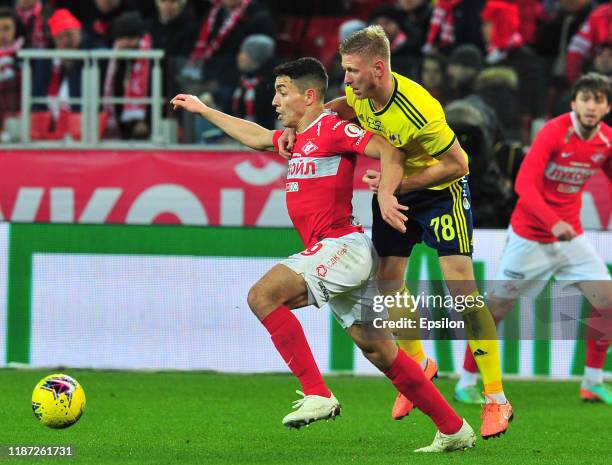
(409, 379)
(597, 337)
(469, 362)
(289, 339)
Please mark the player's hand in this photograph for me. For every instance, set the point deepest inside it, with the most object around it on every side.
(190, 103)
(391, 211)
(286, 142)
(563, 231)
(372, 179)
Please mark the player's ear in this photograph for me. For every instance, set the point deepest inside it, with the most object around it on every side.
(311, 96)
(379, 68)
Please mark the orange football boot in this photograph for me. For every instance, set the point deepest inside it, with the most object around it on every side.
(495, 419)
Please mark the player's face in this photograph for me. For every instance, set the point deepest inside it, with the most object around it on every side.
(359, 74)
(289, 102)
(590, 108)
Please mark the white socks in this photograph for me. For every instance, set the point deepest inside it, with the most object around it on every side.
(592, 376)
(466, 379)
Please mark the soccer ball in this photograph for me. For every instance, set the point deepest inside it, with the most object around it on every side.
(58, 401)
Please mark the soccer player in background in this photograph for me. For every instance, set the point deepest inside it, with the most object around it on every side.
(435, 189)
(545, 237)
(339, 264)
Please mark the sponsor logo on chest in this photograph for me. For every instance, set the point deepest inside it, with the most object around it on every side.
(568, 174)
(313, 167)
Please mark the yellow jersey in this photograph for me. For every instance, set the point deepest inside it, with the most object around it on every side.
(411, 120)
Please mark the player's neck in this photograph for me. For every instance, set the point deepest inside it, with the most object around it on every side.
(587, 133)
(309, 117)
(383, 93)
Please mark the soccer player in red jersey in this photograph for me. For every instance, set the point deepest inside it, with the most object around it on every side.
(338, 266)
(545, 237)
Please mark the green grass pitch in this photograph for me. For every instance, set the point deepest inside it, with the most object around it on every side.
(208, 418)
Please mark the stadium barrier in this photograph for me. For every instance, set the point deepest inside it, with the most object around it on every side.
(90, 100)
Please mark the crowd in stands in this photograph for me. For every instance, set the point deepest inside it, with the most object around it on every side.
(498, 66)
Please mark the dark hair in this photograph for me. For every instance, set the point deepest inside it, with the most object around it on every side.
(6, 12)
(306, 73)
(594, 83)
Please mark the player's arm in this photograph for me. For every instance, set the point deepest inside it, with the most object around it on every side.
(245, 132)
(529, 184)
(342, 108)
(453, 165)
(392, 172)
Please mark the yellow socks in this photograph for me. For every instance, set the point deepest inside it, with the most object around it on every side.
(409, 339)
(482, 337)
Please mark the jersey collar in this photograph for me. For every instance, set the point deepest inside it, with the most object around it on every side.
(317, 119)
(386, 107)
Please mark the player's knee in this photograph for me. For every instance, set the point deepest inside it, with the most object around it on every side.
(378, 355)
(258, 299)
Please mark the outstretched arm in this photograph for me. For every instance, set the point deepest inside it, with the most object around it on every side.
(245, 132)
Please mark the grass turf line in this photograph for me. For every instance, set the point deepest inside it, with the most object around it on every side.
(209, 418)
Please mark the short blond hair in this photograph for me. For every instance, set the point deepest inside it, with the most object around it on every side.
(371, 42)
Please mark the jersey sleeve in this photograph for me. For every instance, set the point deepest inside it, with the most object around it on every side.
(350, 138)
(436, 137)
(530, 179)
(275, 136)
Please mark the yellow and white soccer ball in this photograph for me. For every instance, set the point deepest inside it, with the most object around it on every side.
(58, 401)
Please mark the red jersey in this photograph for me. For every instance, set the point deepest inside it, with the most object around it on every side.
(319, 188)
(553, 174)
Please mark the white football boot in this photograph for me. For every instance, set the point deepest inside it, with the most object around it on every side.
(310, 409)
(463, 439)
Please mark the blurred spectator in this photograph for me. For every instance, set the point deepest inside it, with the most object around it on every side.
(454, 22)
(417, 15)
(505, 47)
(498, 87)
(474, 123)
(128, 79)
(531, 17)
(59, 79)
(173, 30)
(602, 62)
(101, 18)
(336, 73)
(212, 61)
(433, 77)
(553, 39)
(464, 63)
(30, 14)
(391, 18)
(595, 31)
(10, 81)
(252, 99)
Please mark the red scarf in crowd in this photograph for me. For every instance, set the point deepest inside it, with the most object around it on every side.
(205, 46)
(245, 93)
(136, 86)
(443, 23)
(33, 16)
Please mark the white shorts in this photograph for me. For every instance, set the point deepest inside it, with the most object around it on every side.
(340, 272)
(527, 266)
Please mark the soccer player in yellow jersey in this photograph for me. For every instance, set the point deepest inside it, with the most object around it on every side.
(431, 182)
